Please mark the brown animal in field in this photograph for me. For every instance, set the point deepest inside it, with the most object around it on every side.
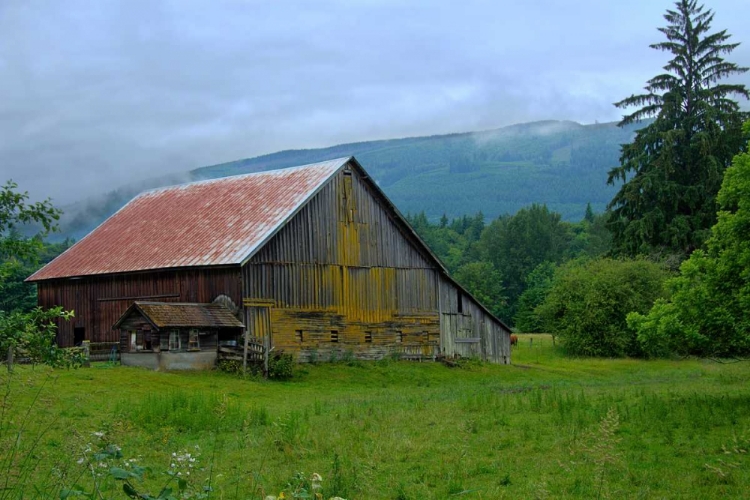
(514, 340)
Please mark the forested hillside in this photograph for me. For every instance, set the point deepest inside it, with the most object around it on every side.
(561, 164)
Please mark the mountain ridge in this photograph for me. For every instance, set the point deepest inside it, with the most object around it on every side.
(558, 162)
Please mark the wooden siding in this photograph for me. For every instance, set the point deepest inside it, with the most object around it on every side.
(99, 301)
(469, 331)
(343, 276)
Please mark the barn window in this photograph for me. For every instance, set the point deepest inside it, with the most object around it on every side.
(368, 337)
(79, 335)
(194, 340)
(174, 340)
(164, 342)
(460, 304)
(335, 336)
(298, 335)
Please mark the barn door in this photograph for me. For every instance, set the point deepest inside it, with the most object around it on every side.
(467, 344)
(258, 321)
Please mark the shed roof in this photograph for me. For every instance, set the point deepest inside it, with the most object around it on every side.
(183, 315)
(206, 223)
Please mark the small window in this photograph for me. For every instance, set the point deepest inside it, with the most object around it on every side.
(460, 304)
(298, 335)
(174, 340)
(334, 336)
(194, 340)
(368, 337)
(400, 337)
(140, 340)
(79, 335)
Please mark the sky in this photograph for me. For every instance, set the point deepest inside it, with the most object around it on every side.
(96, 94)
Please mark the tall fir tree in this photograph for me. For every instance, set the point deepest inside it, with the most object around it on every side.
(673, 169)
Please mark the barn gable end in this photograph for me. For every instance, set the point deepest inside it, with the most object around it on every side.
(347, 276)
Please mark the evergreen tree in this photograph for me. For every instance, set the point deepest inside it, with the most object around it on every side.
(589, 215)
(673, 169)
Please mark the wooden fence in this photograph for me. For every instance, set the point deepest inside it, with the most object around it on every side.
(418, 352)
(104, 351)
(254, 352)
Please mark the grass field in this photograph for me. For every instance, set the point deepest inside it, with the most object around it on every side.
(546, 427)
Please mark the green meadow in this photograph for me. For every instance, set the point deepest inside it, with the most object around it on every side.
(547, 426)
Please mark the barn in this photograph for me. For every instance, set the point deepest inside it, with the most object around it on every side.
(313, 260)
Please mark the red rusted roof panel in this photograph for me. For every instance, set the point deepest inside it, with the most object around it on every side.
(207, 223)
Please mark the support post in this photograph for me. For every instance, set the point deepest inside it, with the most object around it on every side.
(244, 353)
(266, 353)
(86, 344)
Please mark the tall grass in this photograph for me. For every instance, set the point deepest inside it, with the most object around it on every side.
(549, 426)
(185, 411)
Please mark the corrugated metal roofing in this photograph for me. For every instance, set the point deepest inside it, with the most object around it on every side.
(206, 223)
(184, 315)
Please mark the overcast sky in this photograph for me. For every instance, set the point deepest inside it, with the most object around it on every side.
(95, 93)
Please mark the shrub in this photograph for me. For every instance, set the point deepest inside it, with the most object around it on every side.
(588, 303)
(281, 366)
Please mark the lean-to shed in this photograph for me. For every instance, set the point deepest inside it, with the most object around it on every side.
(314, 259)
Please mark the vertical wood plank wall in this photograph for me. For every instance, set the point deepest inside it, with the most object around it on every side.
(343, 276)
(99, 301)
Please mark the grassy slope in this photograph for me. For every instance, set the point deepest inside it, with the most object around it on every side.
(403, 430)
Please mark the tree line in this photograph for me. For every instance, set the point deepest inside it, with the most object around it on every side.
(666, 269)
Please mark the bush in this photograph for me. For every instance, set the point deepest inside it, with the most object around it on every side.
(281, 366)
(588, 303)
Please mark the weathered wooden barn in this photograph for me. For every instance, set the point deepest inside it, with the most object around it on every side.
(314, 259)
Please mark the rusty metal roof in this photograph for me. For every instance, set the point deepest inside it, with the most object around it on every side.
(183, 315)
(207, 223)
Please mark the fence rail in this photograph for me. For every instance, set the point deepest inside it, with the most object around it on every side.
(104, 351)
(254, 352)
(418, 352)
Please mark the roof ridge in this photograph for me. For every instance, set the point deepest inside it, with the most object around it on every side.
(276, 171)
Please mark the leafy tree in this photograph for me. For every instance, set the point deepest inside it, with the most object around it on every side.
(516, 245)
(673, 169)
(30, 332)
(485, 283)
(588, 302)
(589, 238)
(709, 310)
(538, 285)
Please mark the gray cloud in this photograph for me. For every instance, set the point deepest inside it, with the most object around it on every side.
(96, 94)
